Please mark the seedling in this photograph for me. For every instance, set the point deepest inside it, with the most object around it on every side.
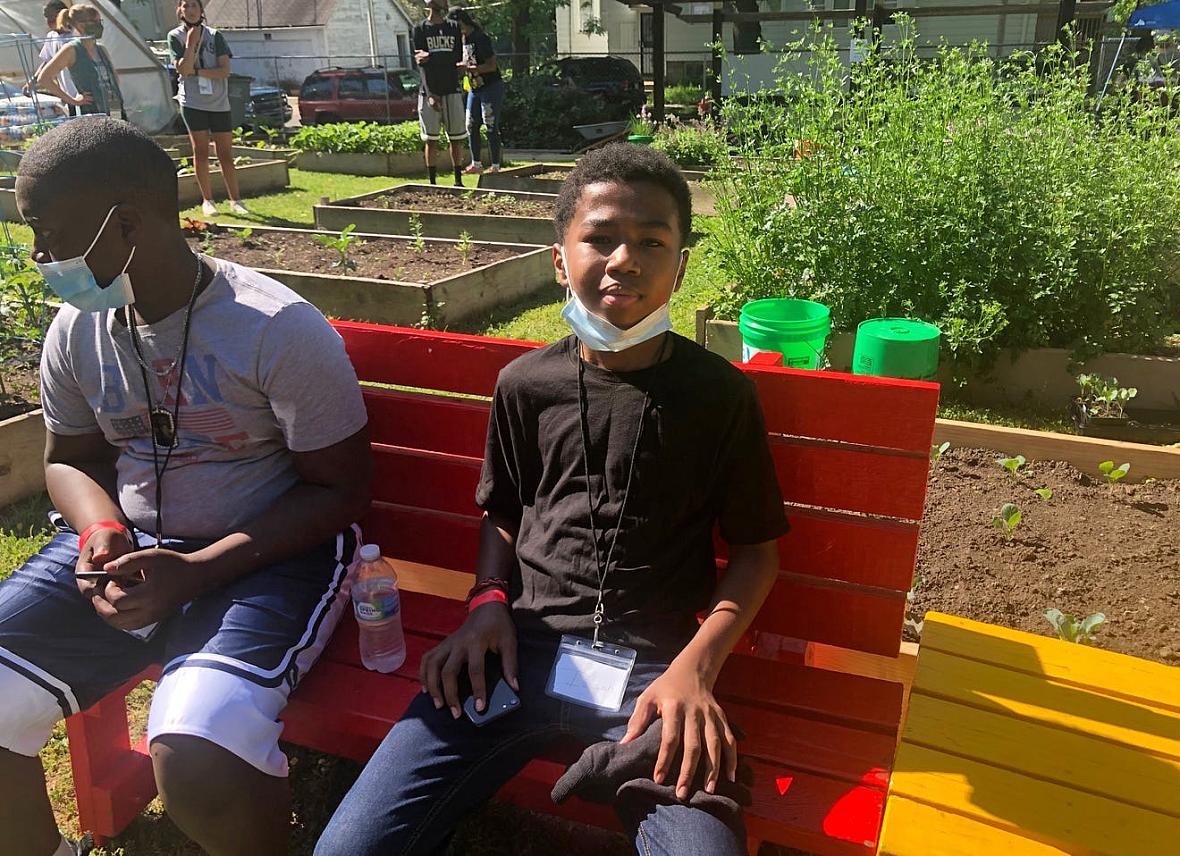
(464, 246)
(1103, 396)
(244, 235)
(1012, 465)
(1113, 473)
(1070, 629)
(1044, 493)
(340, 245)
(936, 452)
(416, 231)
(1008, 519)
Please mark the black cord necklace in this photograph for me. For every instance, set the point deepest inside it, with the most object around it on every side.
(584, 422)
(164, 424)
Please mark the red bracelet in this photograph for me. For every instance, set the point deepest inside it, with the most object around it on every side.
(102, 524)
(489, 596)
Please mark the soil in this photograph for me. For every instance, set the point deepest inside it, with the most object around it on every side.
(490, 203)
(553, 175)
(20, 388)
(1089, 548)
(377, 258)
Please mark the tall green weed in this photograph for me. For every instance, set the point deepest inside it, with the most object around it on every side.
(359, 138)
(986, 196)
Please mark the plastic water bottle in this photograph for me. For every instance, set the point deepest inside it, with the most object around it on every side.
(377, 604)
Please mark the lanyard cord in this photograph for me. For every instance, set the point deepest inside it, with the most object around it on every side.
(156, 468)
(584, 424)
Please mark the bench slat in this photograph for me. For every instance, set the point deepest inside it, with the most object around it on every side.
(1036, 808)
(404, 356)
(417, 420)
(1071, 758)
(913, 827)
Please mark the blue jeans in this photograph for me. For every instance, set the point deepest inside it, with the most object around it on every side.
(484, 108)
(432, 770)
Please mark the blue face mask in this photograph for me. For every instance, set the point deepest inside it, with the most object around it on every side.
(74, 282)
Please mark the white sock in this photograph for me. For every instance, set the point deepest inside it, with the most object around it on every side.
(476, 163)
(63, 849)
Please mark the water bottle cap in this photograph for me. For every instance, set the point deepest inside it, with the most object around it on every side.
(370, 553)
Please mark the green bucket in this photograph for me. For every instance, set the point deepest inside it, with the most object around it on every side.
(896, 347)
(797, 329)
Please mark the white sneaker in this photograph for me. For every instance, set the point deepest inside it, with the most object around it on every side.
(209, 208)
(474, 168)
(237, 207)
(494, 168)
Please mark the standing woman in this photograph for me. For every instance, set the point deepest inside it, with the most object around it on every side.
(202, 62)
(485, 101)
(88, 63)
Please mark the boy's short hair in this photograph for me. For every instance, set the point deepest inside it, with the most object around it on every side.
(626, 163)
(52, 9)
(96, 155)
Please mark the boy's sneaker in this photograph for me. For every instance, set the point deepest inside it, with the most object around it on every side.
(474, 168)
(494, 168)
(237, 207)
(209, 208)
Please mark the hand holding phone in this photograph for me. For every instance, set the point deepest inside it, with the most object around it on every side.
(502, 700)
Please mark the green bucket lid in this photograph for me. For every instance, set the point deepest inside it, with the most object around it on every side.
(898, 330)
(896, 347)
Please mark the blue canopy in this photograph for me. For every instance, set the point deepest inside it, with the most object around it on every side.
(1162, 16)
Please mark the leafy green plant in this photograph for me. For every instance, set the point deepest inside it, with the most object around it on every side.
(340, 243)
(1071, 629)
(359, 138)
(464, 247)
(980, 194)
(1008, 519)
(683, 94)
(1113, 474)
(245, 236)
(692, 143)
(416, 232)
(936, 452)
(642, 124)
(1103, 396)
(1044, 493)
(24, 314)
(1012, 465)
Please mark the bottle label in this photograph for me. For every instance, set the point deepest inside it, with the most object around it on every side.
(378, 608)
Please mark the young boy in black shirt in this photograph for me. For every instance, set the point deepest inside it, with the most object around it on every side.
(611, 456)
(438, 50)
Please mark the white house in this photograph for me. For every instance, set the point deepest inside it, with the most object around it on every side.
(280, 42)
(596, 27)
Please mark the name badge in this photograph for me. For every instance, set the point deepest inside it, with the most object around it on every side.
(589, 676)
(204, 86)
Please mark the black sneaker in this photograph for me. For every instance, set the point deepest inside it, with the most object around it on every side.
(82, 846)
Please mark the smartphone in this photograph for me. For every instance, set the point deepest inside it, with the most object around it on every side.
(501, 700)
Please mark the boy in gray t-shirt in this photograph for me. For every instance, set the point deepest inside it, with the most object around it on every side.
(207, 453)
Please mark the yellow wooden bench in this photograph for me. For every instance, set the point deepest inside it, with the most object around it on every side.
(1018, 744)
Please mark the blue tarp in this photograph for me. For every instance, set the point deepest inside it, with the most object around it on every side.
(1162, 16)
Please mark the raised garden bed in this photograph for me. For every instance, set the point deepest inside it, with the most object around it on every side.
(8, 209)
(393, 280)
(254, 179)
(362, 163)
(22, 453)
(548, 178)
(1040, 376)
(1089, 548)
(445, 212)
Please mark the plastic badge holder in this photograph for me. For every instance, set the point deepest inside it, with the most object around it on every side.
(590, 676)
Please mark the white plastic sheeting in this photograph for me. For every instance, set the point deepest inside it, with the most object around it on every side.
(147, 92)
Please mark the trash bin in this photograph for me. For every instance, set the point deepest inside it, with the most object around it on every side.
(239, 97)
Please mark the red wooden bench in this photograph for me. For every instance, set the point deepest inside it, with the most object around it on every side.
(851, 454)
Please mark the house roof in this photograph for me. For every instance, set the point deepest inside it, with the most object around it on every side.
(242, 14)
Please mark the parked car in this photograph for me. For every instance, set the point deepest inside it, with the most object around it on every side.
(616, 79)
(268, 105)
(358, 95)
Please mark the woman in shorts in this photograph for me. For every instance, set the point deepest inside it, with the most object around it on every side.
(202, 57)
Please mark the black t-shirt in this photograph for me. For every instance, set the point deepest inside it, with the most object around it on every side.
(481, 43)
(703, 460)
(445, 43)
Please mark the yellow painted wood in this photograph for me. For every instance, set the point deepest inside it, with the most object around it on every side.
(1000, 690)
(1073, 820)
(1103, 671)
(428, 579)
(915, 829)
(1065, 756)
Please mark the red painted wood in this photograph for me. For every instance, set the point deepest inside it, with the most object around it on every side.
(417, 420)
(766, 359)
(427, 480)
(895, 414)
(420, 358)
(851, 479)
(835, 614)
(431, 538)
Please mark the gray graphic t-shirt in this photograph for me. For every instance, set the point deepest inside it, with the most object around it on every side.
(265, 376)
(202, 93)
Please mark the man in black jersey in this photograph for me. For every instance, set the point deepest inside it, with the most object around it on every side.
(438, 50)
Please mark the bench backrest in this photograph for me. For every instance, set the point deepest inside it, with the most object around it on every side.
(851, 454)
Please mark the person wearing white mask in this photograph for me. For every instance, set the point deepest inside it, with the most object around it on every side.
(207, 452)
(611, 457)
